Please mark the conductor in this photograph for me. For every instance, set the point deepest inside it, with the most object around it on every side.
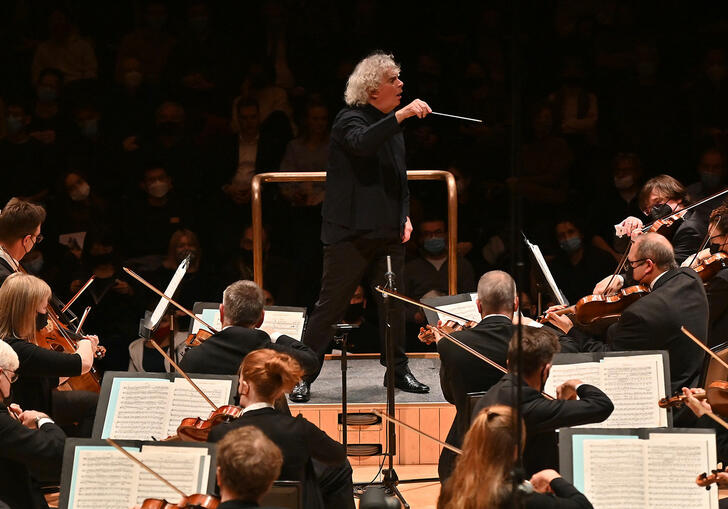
(366, 209)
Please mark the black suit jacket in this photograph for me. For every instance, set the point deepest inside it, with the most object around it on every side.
(366, 180)
(299, 441)
(543, 417)
(240, 504)
(27, 453)
(565, 497)
(5, 270)
(717, 291)
(222, 353)
(653, 323)
(689, 235)
(461, 372)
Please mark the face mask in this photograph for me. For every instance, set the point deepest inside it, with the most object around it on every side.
(354, 312)
(434, 245)
(246, 256)
(133, 79)
(15, 125)
(35, 266)
(102, 259)
(710, 180)
(6, 400)
(80, 192)
(41, 321)
(199, 23)
(715, 248)
(570, 245)
(659, 211)
(90, 128)
(47, 94)
(158, 189)
(625, 182)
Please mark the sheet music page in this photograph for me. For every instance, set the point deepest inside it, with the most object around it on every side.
(169, 292)
(674, 461)
(289, 323)
(141, 410)
(546, 272)
(209, 315)
(102, 477)
(634, 384)
(588, 372)
(615, 473)
(187, 402)
(184, 467)
(467, 309)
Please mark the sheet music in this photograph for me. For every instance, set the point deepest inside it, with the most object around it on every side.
(614, 473)
(187, 402)
(289, 323)
(102, 477)
(467, 309)
(538, 256)
(588, 372)
(209, 315)
(169, 292)
(141, 409)
(185, 467)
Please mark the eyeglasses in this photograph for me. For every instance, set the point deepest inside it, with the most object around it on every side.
(429, 234)
(39, 238)
(640, 261)
(11, 379)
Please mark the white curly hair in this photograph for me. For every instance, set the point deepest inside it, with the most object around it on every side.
(8, 358)
(367, 77)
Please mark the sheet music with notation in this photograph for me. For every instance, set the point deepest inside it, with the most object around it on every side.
(103, 478)
(633, 383)
(467, 309)
(289, 323)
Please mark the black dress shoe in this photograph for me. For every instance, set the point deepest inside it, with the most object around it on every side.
(301, 392)
(408, 383)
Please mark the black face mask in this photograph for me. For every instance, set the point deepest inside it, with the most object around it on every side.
(41, 321)
(659, 211)
(354, 312)
(715, 248)
(247, 257)
(102, 259)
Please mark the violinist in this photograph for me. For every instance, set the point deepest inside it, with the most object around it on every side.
(482, 476)
(241, 312)
(20, 223)
(717, 286)
(23, 312)
(31, 444)
(578, 403)
(460, 371)
(264, 376)
(677, 299)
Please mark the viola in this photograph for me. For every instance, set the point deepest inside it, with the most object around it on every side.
(667, 226)
(709, 267)
(716, 394)
(198, 338)
(195, 429)
(196, 501)
(427, 333)
(593, 308)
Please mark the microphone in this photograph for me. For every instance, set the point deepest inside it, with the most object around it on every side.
(389, 275)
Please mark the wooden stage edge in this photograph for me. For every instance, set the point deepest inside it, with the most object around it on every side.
(434, 419)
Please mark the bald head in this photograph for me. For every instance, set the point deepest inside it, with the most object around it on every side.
(497, 293)
(655, 247)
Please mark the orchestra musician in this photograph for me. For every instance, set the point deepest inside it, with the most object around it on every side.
(700, 408)
(23, 311)
(717, 287)
(366, 209)
(543, 416)
(20, 223)
(460, 371)
(264, 375)
(241, 312)
(677, 298)
(31, 444)
(482, 476)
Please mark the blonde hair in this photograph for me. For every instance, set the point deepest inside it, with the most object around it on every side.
(20, 297)
(480, 478)
(367, 76)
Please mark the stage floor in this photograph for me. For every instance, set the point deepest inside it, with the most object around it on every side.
(364, 379)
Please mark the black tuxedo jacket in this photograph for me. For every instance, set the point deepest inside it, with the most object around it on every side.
(543, 417)
(689, 235)
(222, 353)
(461, 372)
(27, 453)
(366, 180)
(717, 291)
(5, 270)
(241, 504)
(653, 323)
(299, 441)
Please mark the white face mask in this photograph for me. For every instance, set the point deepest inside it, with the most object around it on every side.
(623, 182)
(158, 189)
(80, 192)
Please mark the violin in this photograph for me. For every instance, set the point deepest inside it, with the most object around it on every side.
(195, 429)
(196, 501)
(427, 333)
(707, 480)
(667, 226)
(716, 394)
(592, 308)
(709, 267)
(198, 338)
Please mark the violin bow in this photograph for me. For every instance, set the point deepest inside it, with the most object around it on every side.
(170, 300)
(181, 372)
(708, 236)
(646, 228)
(145, 467)
(389, 418)
(455, 341)
(83, 319)
(78, 294)
(621, 265)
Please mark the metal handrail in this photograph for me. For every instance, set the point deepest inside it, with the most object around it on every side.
(320, 176)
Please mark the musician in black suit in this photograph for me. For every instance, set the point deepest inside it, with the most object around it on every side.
(677, 299)
(544, 416)
(460, 371)
(19, 233)
(241, 312)
(31, 445)
(247, 465)
(366, 208)
(264, 376)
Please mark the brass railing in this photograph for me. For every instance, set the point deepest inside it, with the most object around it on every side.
(320, 176)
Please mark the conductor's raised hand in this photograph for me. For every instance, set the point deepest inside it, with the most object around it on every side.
(417, 108)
